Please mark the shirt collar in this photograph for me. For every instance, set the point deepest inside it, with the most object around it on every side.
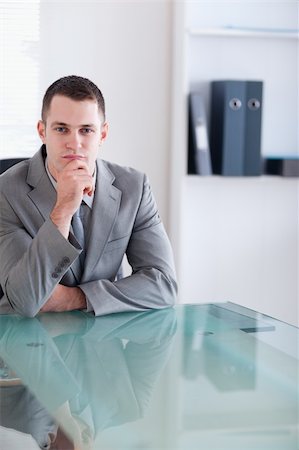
(86, 198)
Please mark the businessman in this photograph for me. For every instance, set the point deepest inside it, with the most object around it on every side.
(67, 218)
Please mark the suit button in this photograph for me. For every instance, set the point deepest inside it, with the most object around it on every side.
(58, 269)
(54, 275)
(66, 261)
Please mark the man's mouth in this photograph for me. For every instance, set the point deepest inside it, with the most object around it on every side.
(72, 156)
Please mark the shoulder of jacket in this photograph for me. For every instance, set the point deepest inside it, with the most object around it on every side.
(17, 172)
(119, 171)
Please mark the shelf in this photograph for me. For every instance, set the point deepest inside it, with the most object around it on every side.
(192, 180)
(244, 33)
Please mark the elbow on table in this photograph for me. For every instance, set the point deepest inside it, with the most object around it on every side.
(170, 292)
(24, 310)
(13, 303)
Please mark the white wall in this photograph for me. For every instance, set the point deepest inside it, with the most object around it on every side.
(125, 48)
(242, 236)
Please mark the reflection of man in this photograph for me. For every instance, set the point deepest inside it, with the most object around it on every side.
(68, 218)
(23, 345)
(93, 373)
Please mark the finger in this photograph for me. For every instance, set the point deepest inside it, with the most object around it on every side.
(76, 164)
(89, 189)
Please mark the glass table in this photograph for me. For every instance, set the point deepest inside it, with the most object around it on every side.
(211, 377)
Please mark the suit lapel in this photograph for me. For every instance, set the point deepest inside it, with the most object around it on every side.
(104, 212)
(43, 194)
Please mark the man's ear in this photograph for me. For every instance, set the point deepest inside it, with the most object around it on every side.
(41, 129)
(104, 132)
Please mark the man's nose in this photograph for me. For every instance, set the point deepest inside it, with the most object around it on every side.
(74, 141)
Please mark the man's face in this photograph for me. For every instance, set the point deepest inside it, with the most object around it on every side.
(72, 130)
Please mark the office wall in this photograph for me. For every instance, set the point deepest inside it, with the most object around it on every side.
(244, 241)
(125, 47)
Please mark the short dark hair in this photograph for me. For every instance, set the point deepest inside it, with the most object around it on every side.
(76, 88)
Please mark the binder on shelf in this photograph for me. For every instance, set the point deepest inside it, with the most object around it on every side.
(252, 143)
(228, 127)
(199, 159)
(236, 127)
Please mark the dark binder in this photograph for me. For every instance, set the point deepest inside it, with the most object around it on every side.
(228, 127)
(199, 160)
(236, 127)
(252, 144)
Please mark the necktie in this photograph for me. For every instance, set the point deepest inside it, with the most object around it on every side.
(77, 224)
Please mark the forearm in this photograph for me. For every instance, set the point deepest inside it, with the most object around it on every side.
(144, 290)
(28, 274)
(152, 284)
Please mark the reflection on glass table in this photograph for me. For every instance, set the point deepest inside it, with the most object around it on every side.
(211, 377)
(80, 372)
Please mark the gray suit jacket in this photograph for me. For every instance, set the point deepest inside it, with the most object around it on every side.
(34, 256)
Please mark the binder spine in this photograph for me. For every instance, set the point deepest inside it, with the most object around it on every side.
(252, 155)
(236, 127)
(217, 126)
(228, 126)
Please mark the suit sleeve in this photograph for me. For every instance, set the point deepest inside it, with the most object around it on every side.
(30, 266)
(152, 284)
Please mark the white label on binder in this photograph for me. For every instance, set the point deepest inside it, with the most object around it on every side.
(201, 136)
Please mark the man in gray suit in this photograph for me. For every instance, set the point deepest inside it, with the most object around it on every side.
(46, 262)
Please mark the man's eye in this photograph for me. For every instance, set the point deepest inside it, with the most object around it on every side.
(86, 130)
(61, 129)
